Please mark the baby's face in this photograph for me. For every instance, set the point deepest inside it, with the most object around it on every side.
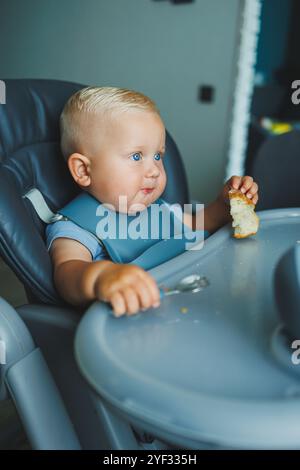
(129, 160)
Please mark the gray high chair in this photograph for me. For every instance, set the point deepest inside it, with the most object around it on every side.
(205, 370)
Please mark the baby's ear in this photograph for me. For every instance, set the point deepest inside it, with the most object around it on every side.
(79, 166)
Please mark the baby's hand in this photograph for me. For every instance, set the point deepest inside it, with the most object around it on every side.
(128, 288)
(245, 184)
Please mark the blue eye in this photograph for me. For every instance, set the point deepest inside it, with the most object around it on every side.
(136, 157)
(157, 156)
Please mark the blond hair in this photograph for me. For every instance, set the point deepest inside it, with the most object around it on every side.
(96, 100)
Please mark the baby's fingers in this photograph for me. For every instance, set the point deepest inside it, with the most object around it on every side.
(131, 300)
(118, 304)
(152, 288)
(144, 294)
(247, 183)
(235, 182)
(252, 191)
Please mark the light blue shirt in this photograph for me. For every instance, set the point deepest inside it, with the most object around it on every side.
(67, 229)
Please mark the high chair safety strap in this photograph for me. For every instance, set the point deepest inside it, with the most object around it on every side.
(41, 207)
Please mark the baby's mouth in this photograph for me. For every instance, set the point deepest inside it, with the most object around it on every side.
(147, 190)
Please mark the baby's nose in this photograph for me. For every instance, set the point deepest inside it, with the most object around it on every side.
(152, 171)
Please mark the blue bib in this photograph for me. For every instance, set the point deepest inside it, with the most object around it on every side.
(142, 239)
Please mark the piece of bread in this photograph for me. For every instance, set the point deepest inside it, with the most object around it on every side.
(245, 221)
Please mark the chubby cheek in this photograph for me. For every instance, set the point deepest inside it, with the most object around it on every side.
(127, 180)
(122, 183)
(162, 181)
(105, 188)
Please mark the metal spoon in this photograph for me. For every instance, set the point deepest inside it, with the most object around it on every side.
(192, 283)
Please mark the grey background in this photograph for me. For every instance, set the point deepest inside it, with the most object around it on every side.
(161, 49)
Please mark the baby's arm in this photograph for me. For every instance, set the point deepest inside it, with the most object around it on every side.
(79, 280)
(216, 214)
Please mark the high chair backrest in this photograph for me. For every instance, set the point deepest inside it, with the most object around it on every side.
(30, 157)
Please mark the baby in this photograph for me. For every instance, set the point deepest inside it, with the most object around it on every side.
(113, 141)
